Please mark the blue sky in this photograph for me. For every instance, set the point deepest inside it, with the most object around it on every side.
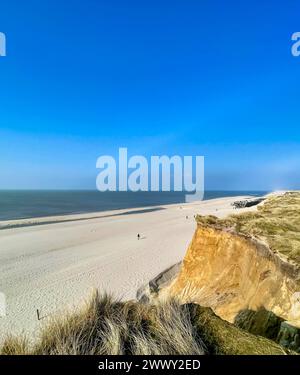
(211, 78)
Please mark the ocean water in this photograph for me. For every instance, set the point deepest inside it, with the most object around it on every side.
(19, 204)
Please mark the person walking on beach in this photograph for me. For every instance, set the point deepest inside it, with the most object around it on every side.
(138, 236)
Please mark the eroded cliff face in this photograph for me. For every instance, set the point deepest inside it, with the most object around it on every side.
(230, 273)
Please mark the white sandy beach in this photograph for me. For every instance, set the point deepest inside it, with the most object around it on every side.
(54, 266)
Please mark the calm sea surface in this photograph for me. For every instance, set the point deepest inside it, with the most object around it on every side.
(39, 203)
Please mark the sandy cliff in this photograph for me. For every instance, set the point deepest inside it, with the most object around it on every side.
(230, 272)
(246, 267)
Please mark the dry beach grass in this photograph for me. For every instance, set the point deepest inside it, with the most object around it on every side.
(106, 326)
(109, 327)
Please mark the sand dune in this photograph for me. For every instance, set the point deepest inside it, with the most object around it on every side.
(52, 264)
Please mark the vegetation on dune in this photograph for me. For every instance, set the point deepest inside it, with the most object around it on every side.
(221, 337)
(109, 327)
(106, 327)
(276, 221)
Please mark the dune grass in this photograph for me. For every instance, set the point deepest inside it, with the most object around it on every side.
(109, 327)
(276, 221)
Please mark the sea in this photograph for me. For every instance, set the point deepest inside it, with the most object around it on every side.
(23, 204)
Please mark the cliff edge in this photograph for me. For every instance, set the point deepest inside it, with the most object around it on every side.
(246, 268)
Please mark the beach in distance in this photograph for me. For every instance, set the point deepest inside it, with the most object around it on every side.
(52, 263)
(22, 204)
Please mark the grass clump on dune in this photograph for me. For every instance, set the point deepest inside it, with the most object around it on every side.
(108, 327)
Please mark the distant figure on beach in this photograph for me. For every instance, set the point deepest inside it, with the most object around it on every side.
(138, 236)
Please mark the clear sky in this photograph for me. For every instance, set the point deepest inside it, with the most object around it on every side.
(213, 78)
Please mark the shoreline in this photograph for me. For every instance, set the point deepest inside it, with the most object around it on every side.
(9, 222)
(72, 217)
(44, 220)
(55, 266)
